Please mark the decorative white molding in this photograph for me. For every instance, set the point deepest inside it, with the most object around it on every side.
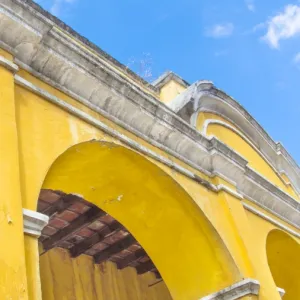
(236, 291)
(212, 100)
(223, 187)
(34, 222)
(8, 64)
(238, 132)
(224, 124)
(167, 77)
(281, 291)
(57, 55)
(271, 220)
(249, 183)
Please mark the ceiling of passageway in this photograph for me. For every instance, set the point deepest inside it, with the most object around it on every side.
(83, 228)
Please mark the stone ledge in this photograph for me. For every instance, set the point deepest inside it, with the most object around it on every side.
(34, 222)
(221, 164)
(236, 291)
(8, 65)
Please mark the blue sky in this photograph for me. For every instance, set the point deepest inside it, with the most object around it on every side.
(248, 48)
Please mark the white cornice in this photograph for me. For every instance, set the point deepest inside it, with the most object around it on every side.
(238, 132)
(44, 48)
(34, 222)
(271, 220)
(168, 76)
(210, 99)
(8, 64)
(252, 186)
(246, 287)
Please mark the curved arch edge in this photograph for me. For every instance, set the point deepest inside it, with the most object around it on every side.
(247, 140)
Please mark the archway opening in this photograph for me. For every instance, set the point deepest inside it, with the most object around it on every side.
(283, 254)
(84, 244)
(150, 223)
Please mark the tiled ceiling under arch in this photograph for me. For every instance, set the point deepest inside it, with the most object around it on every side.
(83, 228)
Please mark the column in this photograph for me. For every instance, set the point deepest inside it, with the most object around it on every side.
(13, 283)
(34, 223)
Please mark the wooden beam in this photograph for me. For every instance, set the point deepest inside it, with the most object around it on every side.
(87, 243)
(83, 220)
(114, 249)
(157, 274)
(145, 267)
(131, 258)
(60, 205)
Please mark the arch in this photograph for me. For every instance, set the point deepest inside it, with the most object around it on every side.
(235, 139)
(158, 212)
(218, 103)
(283, 254)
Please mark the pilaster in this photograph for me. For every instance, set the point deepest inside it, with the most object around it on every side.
(13, 280)
(34, 223)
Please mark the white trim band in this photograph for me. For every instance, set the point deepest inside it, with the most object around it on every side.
(251, 183)
(222, 187)
(34, 222)
(8, 64)
(236, 291)
(271, 220)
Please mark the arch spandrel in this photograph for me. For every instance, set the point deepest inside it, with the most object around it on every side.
(159, 213)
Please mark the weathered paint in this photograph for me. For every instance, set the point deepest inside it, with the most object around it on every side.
(48, 137)
(154, 208)
(170, 90)
(82, 279)
(242, 146)
(201, 239)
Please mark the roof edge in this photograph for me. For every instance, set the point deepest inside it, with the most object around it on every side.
(167, 77)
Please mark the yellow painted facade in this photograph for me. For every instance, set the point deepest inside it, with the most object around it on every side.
(201, 233)
(170, 90)
(88, 281)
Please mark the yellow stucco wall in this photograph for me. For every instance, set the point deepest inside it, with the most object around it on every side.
(82, 279)
(214, 241)
(47, 137)
(170, 90)
(159, 213)
(276, 260)
(283, 258)
(13, 282)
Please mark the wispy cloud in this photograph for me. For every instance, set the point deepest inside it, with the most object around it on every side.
(284, 25)
(250, 5)
(296, 59)
(220, 53)
(220, 30)
(58, 6)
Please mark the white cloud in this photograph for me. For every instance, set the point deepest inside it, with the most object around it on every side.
(220, 30)
(283, 26)
(297, 58)
(250, 5)
(220, 53)
(58, 5)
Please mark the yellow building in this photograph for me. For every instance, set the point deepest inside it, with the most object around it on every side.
(116, 189)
